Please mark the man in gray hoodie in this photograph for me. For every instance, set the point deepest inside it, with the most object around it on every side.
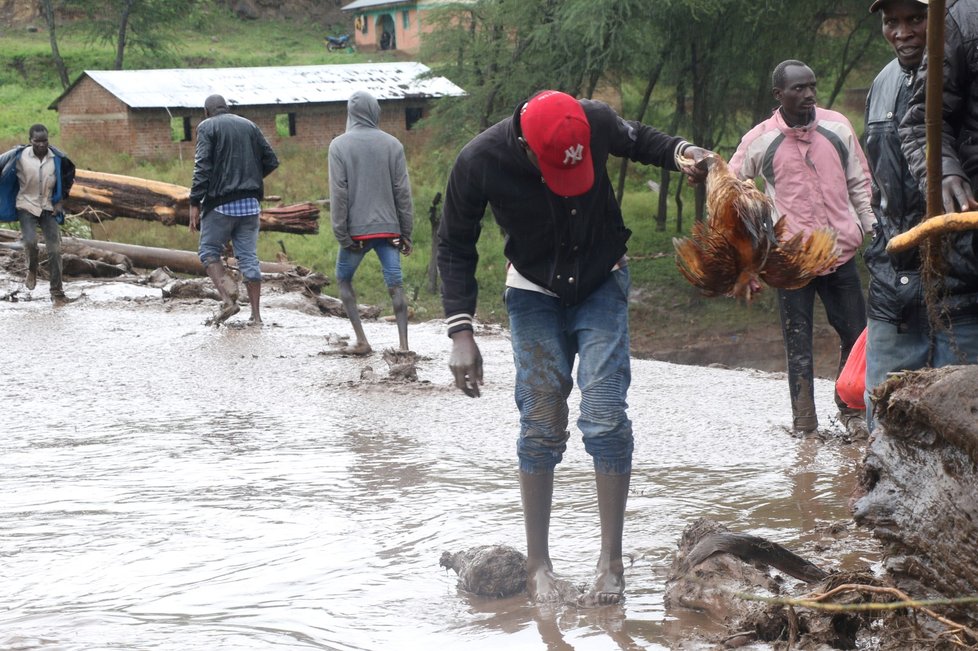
(371, 208)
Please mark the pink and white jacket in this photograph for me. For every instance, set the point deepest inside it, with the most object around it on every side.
(817, 176)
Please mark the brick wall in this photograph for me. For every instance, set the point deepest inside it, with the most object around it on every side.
(91, 114)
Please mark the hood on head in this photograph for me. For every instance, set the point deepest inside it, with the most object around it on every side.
(362, 110)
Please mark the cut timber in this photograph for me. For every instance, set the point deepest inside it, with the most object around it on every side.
(151, 257)
(939, 225)
(919, 484)
(97, 196)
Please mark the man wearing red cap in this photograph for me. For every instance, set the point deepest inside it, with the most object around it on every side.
(543, 173)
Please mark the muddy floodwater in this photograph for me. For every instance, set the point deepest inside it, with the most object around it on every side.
(166, 485)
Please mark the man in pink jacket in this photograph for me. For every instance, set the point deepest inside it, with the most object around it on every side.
(816, 173)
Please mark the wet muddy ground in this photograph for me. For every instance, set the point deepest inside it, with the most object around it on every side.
(167, 485)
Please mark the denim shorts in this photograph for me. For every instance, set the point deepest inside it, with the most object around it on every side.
(217, 229)
(546, 338)
(390, 261)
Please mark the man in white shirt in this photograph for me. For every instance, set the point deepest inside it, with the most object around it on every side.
(34, 181)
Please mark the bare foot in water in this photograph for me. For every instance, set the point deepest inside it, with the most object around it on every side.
(544, 587)
(608, 590)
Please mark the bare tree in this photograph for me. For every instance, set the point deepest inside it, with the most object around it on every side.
(48, 9)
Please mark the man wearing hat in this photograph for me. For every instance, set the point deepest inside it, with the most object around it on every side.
(900, 336)
(543, 173)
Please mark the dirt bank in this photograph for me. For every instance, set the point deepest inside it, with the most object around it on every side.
(759, 347)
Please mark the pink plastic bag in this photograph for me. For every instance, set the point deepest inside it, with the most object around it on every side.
(851, 384)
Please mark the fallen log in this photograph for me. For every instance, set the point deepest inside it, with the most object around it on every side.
(98, 196)
(939, 225)
(151, 257)
(75, 261)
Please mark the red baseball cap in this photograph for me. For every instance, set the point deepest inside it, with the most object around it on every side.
(557, 132)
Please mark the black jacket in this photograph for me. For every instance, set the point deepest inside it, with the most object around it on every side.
(565, 244)
(895, 293)
(231, 158)
(959, 146)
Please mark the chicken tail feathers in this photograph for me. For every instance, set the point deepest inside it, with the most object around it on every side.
(796, 261)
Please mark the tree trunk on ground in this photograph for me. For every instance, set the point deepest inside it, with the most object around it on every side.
(151, 257)
(97, 196)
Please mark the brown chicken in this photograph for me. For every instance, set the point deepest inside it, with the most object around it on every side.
(740, 245)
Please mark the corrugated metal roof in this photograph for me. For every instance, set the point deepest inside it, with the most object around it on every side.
(422, 4)
(366, 4)
(189, 87)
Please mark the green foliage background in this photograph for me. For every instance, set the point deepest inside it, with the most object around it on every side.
(700, 68)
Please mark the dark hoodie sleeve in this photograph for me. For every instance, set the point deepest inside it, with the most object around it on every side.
(203, 164)
(631, 139)
(458, 234)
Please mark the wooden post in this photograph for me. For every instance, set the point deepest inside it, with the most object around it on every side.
(934, 105)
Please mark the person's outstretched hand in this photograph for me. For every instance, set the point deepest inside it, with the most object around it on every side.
(690, 163)
(957, 195)
(466, 363)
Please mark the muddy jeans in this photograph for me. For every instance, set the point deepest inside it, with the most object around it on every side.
(52, 244)
(217, 229)
(888, 350)
(347, 262)
(842, 295)
(546, 338)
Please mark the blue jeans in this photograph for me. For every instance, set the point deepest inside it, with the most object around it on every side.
(52, 244)
(389, 256)
(546, 338)
(217, 229)
(842, 296)
(888, 350)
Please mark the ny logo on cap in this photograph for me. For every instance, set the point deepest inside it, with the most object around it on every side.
(574, 155)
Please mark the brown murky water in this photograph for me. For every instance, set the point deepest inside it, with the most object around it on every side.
(164, 485)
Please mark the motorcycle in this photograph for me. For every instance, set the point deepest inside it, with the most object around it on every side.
(342, 42)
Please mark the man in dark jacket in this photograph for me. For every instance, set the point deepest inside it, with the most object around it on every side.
(909, 339)
(898, 337)
(34, 182)
(543, 173)
(231, 160)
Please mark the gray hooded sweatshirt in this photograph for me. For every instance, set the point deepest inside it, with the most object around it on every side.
(369, 188)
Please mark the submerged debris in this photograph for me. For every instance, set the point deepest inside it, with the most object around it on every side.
(489, 570)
